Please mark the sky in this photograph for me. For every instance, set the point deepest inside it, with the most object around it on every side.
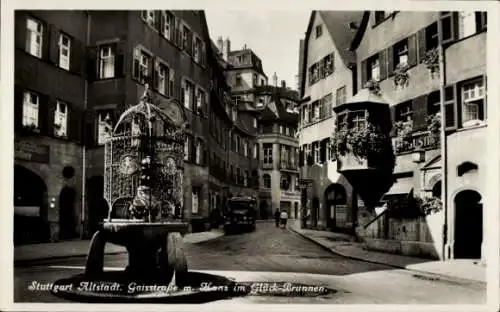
(273, 35)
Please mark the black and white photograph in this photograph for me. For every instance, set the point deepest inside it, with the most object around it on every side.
(263, 155)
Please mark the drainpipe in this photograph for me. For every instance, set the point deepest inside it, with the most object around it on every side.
(84, 148)
(444, 162)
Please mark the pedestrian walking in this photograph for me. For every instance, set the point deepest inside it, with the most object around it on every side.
(277, 217)
(283, 218)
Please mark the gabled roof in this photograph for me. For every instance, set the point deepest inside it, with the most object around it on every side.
(337, 26)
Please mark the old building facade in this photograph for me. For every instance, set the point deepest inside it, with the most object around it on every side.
(328, 75)
(76, 71)
(398, 54)
(268, 112)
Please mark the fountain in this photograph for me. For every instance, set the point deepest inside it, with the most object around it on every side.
(144, 158)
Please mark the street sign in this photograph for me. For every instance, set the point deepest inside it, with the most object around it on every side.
(305, 183)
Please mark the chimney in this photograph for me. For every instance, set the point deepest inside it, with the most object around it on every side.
(227, 49)
(283, 83)
(245, 46)
(275, 79)
(220, 44)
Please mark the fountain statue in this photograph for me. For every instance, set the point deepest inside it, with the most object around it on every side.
(143, 186)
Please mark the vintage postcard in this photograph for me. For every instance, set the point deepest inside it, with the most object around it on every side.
(256, 155)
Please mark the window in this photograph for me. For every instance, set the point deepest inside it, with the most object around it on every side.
(473, 104)
(187, 143)
(106, 62)
(431, 37)
(373, 68)
(315, 109)
(149, 16)
(197, 50)
(238, 80)
(305, 115)
(235, 113)
(34, 37)
(342, 122)
(319, 31)
(287, 131)
(317, 155)
(198, 152)
(163, 78)
(255, 151)
(103, 120)
(260, 102)
(400, 53)
(285, 182)
(167, 20)
(404, 111)
(255, 125)
(61, 119)
(64, 51)
(245, 178)
(262, 82)
(268, 153)
(196, 200)
(281, 129)
(31, 105)
(358, 120)
(254, 80)
(185, 34)
(200, 98)
(341, 96)
(238, 144)
(267, 181)
(467, 23)
(245, 149)
(142, 66)
(187, 91)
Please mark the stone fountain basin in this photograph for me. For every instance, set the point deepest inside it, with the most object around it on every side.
(117, 287)
(124, 231)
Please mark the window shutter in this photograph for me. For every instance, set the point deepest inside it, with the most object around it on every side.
(43, 114)
(364, 72)
(382, 59)
(451, 108)
(390, 61)
(419, 113)
(91, 64)
(309, 112)
(192, 149)
(412, 50)
(46, 42)
(189, 47)
(393, 119)
(76, 56)
(20, 30)
(74, 123)
(53, 41)
(171, 83)
(333, 62)
(18, 107)
(155, 74)
(480, 21)
(181, 94)
(120, 52)
(51, 108)
(421, 45)
(322, 151)
(158, 19)
(88, 128)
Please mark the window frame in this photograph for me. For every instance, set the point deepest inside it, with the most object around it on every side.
(464, 102)
(103, 59)
(62, 132)
(64, 60)
(38, 33)
(31, 110)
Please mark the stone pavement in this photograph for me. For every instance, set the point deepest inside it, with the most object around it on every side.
(35, 252)
(345, 245)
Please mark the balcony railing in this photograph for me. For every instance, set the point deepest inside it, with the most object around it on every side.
(421, 141)
(288, 165)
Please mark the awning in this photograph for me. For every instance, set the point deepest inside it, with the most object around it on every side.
(400, 188)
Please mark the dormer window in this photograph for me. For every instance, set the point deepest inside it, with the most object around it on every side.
(319, 31)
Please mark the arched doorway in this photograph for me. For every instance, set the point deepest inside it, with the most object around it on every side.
(468, 225)
(97, 205)
(67, 219)
(30, 207)
(336, 206)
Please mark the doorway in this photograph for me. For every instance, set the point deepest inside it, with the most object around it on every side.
(336, 206)
(67, 219)
(468, 225)
(296, 210)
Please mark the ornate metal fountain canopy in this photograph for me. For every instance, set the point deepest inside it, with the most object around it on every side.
(144, 157)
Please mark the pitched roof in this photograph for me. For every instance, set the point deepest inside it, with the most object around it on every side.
(337, 26)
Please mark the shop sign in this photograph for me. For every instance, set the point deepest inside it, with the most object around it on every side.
(33, 152)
